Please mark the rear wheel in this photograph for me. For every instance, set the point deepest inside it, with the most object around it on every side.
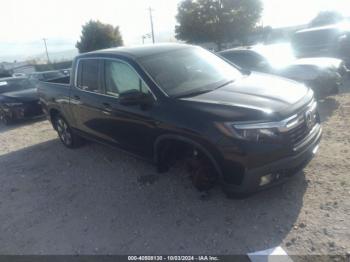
(67, 137)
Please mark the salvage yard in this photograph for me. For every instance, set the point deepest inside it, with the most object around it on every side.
(97, 200)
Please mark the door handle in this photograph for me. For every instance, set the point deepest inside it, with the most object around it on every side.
(76, 97)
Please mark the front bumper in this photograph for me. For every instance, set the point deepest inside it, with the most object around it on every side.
(280, 170)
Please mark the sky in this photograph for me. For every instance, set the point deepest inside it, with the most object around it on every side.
(24, 23)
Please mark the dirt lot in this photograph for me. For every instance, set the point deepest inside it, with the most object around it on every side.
(97, 200)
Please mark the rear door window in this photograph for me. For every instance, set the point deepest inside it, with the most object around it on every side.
(89, 75)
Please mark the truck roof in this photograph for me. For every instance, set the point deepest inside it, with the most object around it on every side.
(345, 26)
(139, 51)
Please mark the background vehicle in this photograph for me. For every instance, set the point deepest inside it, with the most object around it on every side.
(19, 75)
(177, 102)
(46, 75)
(331, 40)
(323, 75)
(18, 100)
(11, 84)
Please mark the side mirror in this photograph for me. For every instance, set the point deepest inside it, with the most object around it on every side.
(132, 98)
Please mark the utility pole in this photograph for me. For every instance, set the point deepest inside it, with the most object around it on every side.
(47, 53)
(151, 18)
(144, 37)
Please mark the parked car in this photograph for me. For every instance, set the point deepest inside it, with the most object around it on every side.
(46, 75)
(18, 100)
(19, 75)
(323, 75)
(331, 40)
(10, 84)
(176, 102)
(4, 74)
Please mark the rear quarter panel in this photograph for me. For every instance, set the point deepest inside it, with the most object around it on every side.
(54, 96)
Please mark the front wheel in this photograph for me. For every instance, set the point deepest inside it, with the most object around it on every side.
(202, 172)
(67, 137)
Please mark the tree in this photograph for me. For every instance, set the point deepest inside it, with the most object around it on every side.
(96, 35)
(217, 21)
(326, 18)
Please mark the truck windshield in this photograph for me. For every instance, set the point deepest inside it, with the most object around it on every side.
(189, 71)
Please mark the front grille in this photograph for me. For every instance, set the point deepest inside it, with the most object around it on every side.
(308, 120)
(298, 134)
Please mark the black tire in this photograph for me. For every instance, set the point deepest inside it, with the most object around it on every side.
(202, 172)
(68, 138)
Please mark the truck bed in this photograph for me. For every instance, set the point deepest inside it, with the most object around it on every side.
(54, 93)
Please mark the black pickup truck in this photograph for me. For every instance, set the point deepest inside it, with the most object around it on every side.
(174, 102)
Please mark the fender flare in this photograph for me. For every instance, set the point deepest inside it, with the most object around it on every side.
(195, 144)
(50, 112)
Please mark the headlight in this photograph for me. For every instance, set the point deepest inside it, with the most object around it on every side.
(264, 135)
(257, 132)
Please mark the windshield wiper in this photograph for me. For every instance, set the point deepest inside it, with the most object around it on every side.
(203, 91)
(195, 93)
(225, 84)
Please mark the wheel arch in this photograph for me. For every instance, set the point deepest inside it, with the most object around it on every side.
(179, 138)
(53, 112)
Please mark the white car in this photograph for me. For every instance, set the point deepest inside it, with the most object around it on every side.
(19, 75)
(324, 74)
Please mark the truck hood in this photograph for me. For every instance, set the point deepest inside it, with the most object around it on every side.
(266, 93)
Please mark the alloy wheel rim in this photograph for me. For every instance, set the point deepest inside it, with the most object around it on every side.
(63, 132)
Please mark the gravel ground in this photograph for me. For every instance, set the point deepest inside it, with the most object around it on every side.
(97, 200)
